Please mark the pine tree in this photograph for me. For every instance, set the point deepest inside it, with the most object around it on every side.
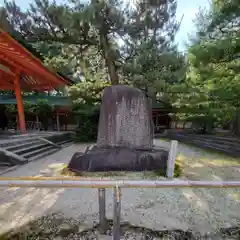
(97, 24)
(214, 75)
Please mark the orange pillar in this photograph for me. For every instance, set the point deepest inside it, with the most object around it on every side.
(20, 107)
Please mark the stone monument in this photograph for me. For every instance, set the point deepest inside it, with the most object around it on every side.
(125, 135)
(125, 118)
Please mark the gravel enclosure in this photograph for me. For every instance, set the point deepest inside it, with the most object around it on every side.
(157, 213)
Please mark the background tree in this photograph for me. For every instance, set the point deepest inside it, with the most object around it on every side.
(151, 57)
(136, 44)
(75, 27)
(44, 111)
(213, 83)
(76, 24)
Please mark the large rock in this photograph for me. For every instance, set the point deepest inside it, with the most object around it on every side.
(118, 159)
(125, 118)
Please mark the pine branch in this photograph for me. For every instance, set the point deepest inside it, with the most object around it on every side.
(67, 40)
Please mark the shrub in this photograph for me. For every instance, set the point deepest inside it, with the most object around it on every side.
(87, 119)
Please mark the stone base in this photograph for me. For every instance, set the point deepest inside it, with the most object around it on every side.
(99, 159)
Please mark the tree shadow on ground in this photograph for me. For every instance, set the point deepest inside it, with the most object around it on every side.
(214, 208)
(56, 227)
(198, 164)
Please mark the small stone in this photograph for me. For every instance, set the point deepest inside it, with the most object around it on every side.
(105, 237)
(83, 228)
(58, 238)
(47, 231)
(65, 229)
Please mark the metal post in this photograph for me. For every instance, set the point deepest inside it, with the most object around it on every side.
(102, 210)
(116, 213)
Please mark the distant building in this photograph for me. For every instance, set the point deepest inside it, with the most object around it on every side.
(160, 114)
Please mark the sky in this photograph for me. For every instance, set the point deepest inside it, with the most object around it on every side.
(186, 8)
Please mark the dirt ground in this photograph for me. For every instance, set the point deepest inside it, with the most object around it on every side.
(200, 210)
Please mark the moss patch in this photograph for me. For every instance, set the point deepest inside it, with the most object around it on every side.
(177, 171)
(145, 174)
(65, 171)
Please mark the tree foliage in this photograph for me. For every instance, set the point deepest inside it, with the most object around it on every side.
(65, 32)
(105, 42)
(151, 57)
(212, 89)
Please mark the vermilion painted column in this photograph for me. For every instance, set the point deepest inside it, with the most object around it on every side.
(21, 116)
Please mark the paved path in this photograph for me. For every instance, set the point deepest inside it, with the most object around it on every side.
(202, 210)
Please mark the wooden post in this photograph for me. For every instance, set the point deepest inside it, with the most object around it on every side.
(66, 122)
(17, 123)
(58, 127)
(102, 210)
(157, 125)
(116, 213)
(20, 107)
(37, 121)
(171, 159)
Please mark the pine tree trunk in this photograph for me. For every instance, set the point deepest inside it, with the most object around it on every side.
(108, 59)
(151, 97)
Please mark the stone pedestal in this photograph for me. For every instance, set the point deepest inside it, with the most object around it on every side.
(100, 159)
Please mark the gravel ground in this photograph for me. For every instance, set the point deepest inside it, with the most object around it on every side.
(201, 211)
